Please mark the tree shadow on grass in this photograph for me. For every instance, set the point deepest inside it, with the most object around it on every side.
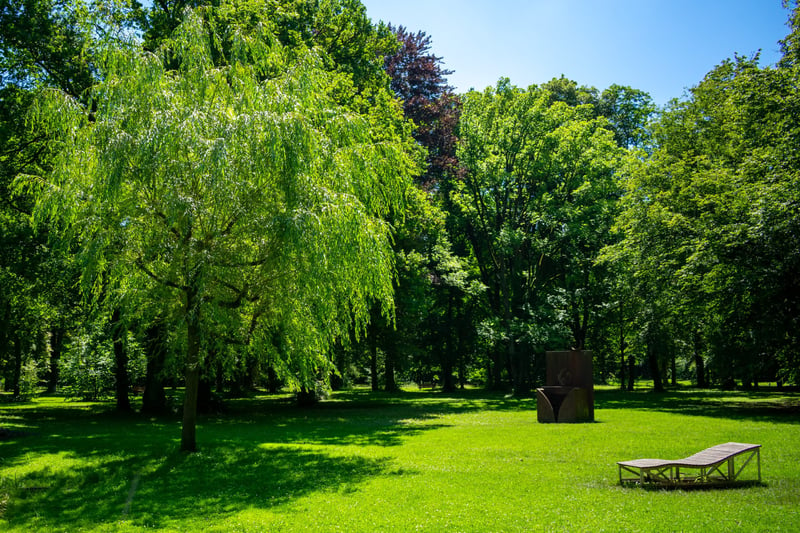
(150, 491)
(783, 407)
(357, 417)
(261, 454)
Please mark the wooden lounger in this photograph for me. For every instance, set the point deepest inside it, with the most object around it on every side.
(714, 465)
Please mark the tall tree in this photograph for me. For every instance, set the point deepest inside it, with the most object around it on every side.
(539, 176)
(43, 43)
(710, 220)
(230, 186)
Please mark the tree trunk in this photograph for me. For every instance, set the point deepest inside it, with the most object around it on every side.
(446, 355)
(389, 363)
(273, 383)
(373, 363)
(518, 368)
(120, 361)
(631, 369)
(655, 369)
(205, 396)
(56, 347)
(448, 383)
(154, 400)
(497, 368)
(699, 363)
(189, 428)
(674, 370)
(17, 375)
(219, 378)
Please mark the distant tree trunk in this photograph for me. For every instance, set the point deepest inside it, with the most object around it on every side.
(154, 400)
(273, 383)
(219, 377)
(56, 347)
(580, 319)
(674, 370)
(373, 362)
(244, 378)
(446, 355)
(17, 375)
(461, 351)
(622, 367)
(631, 371)
(497, 368)
(189, 427)
(699, 363)
(122, 384)
(655, 369)
(448, 383)
(205, 396)
(389, 364)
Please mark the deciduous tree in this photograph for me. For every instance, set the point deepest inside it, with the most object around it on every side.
(231, 186)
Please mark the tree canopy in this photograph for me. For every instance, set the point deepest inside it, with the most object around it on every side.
(231, 188)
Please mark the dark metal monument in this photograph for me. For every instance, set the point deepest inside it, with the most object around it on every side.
(569, 393)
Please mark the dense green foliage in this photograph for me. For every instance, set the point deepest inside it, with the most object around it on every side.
(536, 202)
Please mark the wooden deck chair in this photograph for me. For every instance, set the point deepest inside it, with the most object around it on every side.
(714, 465)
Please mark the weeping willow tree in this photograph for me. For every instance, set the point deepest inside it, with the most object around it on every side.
(239, 183)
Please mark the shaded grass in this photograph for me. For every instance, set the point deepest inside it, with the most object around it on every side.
(426, 461)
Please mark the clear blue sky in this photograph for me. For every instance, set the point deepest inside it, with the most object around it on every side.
(659, 46)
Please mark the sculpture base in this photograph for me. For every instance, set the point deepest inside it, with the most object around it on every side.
(563, 404)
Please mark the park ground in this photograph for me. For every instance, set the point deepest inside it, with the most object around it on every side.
(412, 461)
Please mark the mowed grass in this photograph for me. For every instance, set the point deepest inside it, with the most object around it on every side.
(415, 461)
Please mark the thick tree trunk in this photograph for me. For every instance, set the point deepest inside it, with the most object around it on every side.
(189, 428)
(120, 362)
(448, 383)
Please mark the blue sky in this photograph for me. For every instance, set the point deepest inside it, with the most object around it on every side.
(659, 46)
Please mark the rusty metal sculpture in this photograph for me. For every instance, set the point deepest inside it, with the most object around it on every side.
(569, 393)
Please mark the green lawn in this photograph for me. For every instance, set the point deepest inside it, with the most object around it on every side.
(422, 461)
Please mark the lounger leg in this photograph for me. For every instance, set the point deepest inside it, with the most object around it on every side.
(758, 457)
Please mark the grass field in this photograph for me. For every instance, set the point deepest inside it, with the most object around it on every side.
(415, 461)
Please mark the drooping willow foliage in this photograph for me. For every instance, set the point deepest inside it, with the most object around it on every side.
(223, 175)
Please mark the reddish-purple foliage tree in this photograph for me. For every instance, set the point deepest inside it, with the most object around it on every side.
(420, 81)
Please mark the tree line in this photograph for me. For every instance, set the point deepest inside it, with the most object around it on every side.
(283, 194)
